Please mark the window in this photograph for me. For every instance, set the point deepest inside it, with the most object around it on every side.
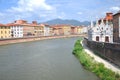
(97, 38)
(106, 39)
(1, 36)
(1, 32)
(106, 28)
(102, 28)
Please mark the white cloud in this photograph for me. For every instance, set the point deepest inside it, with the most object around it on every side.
(29, 10)
(62, 15)
(30, 5)
(115, 8)
(79, 13)
(1, 14)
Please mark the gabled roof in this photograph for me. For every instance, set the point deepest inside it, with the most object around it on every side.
(60, 25)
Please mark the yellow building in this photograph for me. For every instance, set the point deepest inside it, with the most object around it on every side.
(51, 31)
(38, 30)
(61, 29)
(66, 29)
(79, 29)
(5, 31)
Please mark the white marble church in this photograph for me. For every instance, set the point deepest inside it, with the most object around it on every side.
(102, 31)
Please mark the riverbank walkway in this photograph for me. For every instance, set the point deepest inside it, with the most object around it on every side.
(106, 63)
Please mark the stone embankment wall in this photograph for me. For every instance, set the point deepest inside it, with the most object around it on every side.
(27, 39)
(109, 51)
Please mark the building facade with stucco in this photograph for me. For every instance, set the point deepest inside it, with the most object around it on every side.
(116, 27)
(101, 31)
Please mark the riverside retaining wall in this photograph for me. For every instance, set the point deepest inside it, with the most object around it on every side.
(109, 51)
(27, 39)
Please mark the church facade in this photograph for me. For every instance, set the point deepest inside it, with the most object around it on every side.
(102, 31)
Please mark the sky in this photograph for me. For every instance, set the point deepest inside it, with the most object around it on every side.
(44, 10)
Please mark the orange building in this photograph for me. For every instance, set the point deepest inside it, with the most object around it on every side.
(74, 30)
(61, 29)
(57, 30)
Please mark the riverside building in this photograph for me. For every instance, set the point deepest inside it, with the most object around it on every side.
(5, 31)
(102, 31)
(16, 30)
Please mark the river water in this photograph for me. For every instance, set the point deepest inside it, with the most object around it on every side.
(42, 60)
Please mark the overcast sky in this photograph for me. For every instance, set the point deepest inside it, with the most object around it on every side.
(43, 10)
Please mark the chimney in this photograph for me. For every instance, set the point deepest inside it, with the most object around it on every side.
(20, 22)
(34, 22)
(109, 16)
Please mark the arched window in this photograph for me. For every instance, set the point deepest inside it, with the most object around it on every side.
(106, 39)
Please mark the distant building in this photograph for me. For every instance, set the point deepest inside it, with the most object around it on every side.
(116, 27)
(38, 30)
(66, 29)
(29, 30)
(5, 31)
(84, 30)
(74, 30)
(57, 30)
(47, 30)
(81, 29)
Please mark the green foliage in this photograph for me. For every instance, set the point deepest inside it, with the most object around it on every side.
(90, 64)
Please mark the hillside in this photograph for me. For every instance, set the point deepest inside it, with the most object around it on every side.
(70, 22)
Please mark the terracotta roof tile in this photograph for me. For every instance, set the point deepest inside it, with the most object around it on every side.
(2, 24)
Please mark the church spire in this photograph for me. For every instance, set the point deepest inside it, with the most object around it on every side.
(92, 24)
(97, 23)
(106, 22)
(102, 21)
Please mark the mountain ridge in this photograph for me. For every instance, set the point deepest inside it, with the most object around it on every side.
(66, 21)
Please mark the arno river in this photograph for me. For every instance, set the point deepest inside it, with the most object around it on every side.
(42, 60)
